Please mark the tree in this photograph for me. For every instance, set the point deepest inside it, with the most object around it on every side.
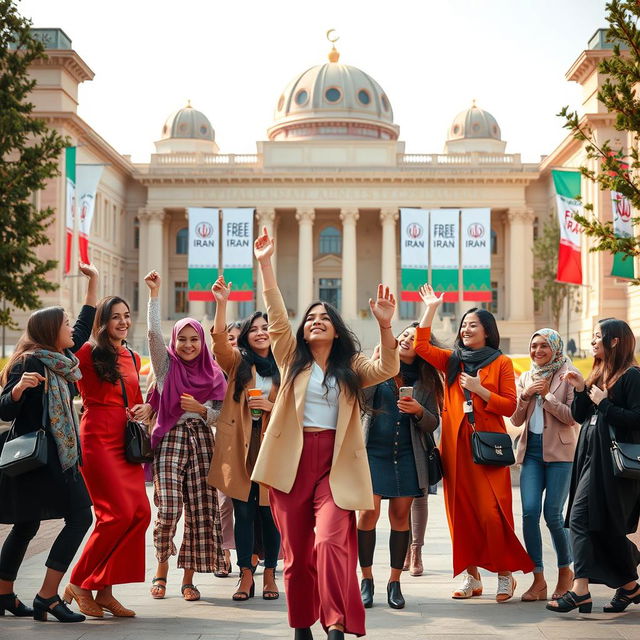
(29, 153)
(545, 252)
(616, 169)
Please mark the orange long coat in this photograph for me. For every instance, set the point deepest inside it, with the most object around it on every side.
(477, 497)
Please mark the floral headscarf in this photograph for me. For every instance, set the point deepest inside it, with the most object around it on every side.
(558, 359)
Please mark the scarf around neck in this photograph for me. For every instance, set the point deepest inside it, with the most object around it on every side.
(472, 360)
(558, 359)
(61, 369)
(409, 372)
(266, 367)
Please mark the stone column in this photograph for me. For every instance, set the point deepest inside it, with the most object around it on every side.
(349, 217)
(389, 271)
(155, 255)
(143, 262)
(519, 264)
(265, 217)
(305, 218)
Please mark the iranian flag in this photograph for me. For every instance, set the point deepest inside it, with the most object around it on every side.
(70, 175)
(622, 228)
(203, 252)
(445, 259)
(476, 255)
(414, 254)
(88, 177)
(237, 252)
(567, 185)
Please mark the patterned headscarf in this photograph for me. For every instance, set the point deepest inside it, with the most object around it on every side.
(558, 359)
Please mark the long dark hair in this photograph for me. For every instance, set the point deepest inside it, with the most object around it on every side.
(617, 359)
(244, 373)
(430, 378)
(488, 322)
(104, 354)
(345, 347)
(43, 328)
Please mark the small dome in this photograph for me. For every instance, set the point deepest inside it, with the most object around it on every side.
(188, 123)
(333, 100)
(474, 123)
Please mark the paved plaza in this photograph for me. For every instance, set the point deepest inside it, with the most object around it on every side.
(430, 612)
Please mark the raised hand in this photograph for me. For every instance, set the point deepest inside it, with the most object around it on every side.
(89, 270)
(152, 280)
(221, 290)
(263, 247)
(429, 296)
(383, 307)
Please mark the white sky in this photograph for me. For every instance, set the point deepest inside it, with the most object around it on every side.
(233, 58)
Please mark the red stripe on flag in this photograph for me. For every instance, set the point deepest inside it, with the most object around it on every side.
(241, 296)
(67, 256)
(83, 245)
(569, 265)
(450, 296)
(409, 296)
(477, 296)
(202, 296)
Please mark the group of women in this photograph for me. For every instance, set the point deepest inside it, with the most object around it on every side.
(297, 438)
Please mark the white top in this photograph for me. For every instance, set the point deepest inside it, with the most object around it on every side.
(264, 384)
(536, 422)
(320, 405)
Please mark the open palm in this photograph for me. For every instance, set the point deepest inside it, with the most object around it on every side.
(429, 296)
(221, 290)
(384, 306)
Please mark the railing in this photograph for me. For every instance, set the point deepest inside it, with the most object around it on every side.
(206, 159)
(473, 158)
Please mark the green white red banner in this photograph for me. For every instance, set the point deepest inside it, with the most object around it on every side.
(87, 179)
(567, 185)
(445, 252)
(476, 254)
(237, 252)
(70, 204)
(414, 252)
(203, 252)
(623, 228)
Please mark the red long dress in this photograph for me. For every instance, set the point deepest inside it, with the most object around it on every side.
(115, 551)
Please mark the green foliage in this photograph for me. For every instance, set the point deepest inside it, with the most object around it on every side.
(616, 166)
(547, 289)
(29, 153)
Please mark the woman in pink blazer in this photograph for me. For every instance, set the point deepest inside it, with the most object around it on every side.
(545, 451)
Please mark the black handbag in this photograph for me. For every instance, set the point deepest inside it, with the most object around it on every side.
(625, 457)
(492, 448)
(27, 452)
(434, 460)
(137, 443)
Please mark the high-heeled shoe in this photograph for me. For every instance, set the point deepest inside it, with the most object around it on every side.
(10, 602)
(42, 608)
(622, 599)
(366, 591)
(115, 608)
(335, 634)
(570, 601)
(533, 593)
(86, 604)
(241, 596)
(395, 599)
(303, 634)
(270, 594)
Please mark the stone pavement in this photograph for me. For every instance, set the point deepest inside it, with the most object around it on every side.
(430, 613)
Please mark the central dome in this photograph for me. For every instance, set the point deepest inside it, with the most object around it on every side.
(333, 100)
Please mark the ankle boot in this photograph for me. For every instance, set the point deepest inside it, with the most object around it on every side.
(335, 634)
(415, 564)
(395, 598)
(303, 634)
(366, 547)
(366, 591)
(407, 559)
(398, 543)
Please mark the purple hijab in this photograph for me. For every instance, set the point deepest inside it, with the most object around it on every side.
(200, 377)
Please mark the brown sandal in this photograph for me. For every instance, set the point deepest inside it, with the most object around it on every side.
(155, 584)
(269, 594)
(190, 592)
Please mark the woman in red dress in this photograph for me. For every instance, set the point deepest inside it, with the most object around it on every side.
(115, 551)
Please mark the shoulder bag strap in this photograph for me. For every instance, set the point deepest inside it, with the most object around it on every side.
(124, 391)
(469, 400)
(45, 400)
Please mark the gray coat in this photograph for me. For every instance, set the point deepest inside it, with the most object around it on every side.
(427, 424)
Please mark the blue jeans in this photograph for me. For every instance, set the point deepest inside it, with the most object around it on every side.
(552, 479)
(245, 513)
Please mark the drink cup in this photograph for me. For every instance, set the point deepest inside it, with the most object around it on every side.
(256, 414)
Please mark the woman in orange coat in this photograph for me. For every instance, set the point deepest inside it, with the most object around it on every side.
(477, 497)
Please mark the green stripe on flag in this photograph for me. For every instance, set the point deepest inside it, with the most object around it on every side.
(202, 279)
(444, 279)
(70, 163)
(242, 281)
(622, 268)
(476, 279)
(411, 280)
(567, 183)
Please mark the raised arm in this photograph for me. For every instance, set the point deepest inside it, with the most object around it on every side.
(226, 356)
(84, 322)
(91, 272)
(157, 347)
(382, 310)
(431, 304)
(435, 356)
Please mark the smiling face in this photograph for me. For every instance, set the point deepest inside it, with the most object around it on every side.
(188, 344)
(118, 323)
(405, 345)
(258, 337)
(540, 351)
(65, 334)
(233, 334)
(472, 332)
(318, 327)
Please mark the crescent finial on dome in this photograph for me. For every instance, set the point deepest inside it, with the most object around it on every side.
(334, 54)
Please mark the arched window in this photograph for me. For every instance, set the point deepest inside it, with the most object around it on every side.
(330, 241)
(182, 241)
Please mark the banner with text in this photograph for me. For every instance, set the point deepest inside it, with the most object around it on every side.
(445, 261)
(622, 228)
(414, 252)
(70, 205)
(237, 252)
(87, 179)
(476, 255)
(203, 252)
(567, 185)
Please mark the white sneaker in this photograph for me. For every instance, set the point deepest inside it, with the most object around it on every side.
(506, 587)
(470, 587)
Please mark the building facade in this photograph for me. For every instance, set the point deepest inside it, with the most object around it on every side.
(328, 183)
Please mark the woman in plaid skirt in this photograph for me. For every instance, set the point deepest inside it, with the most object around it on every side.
(190, 388)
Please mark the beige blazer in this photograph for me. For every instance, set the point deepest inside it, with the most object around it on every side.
(277, 464)
(560, 434)
(228, 470)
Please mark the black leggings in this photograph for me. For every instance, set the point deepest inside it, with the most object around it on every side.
(76, 525)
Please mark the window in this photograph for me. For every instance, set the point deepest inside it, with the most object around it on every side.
(330, 241)
(302, 97)
(181, 298)
(448, 308)
(494, 242)
(364, 97)
(136, 296)
(136, 233)
(330, 290)
(182, 241)
(333, 94)
(493, 305)
(245, 309)
(536, 228)
(408, 310)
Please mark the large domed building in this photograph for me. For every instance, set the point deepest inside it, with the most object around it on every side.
(474, 130)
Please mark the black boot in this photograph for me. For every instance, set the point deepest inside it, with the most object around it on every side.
(8, 602)
(398, 544)
(366, 591)
(303, 634)
(335, 634)
(366, 547)
(394, 595)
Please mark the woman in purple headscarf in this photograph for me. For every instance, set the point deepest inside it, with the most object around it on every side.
(190, 387)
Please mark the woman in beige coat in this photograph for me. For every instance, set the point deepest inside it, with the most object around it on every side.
(545, 451)
(313, 456)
